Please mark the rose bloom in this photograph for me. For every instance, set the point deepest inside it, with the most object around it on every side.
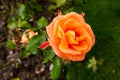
(70, 36)
(27, 35)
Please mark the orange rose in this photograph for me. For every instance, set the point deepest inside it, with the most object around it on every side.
(70, 36)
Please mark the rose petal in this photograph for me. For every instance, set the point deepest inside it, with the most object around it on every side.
(82, 37)
(70, 24)
(76, 57)
(59, 22)
(85, 38)
(70, 35)
(50, 31)
(68, 50)
(75, 16)
(89, 30)
(81, 31)
(82, 46)
(56, 50)
(62, 36)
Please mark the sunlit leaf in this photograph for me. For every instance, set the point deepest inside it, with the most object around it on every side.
(15, 78)
(22, 11)
(57, 4)
(24, 24)
(12, 25)
(49, 54)
(10, 44)
(42, 22)
(52, 7)
(60, 2)
(35, 42)
(56, 71)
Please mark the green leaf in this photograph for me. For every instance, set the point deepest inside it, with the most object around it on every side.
(24, 24)
(12, 25)
(57, 4)
(10, 44)
(34, 5)
(92, 64)
(37, 7)
(56, 71)
(11, 20)
(49, 54)
(71, 72)
(24, 54)
(52, 7)
(78, 2)
(15, 78)
(32, 1)
(35, 42)
(60, 2)
(42, 22)
(69, 10)
(22, 11)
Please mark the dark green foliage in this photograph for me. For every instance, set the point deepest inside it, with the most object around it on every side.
(35, 42)
(10, 44)
(57, 68)
(71, 73)
(48, 55)
(104, 19)
(42, 22)
(22, 11)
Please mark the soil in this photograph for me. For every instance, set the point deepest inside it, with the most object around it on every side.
(11, 65)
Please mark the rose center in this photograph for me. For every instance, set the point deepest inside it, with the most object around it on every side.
(71, 37)
(76, 40)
